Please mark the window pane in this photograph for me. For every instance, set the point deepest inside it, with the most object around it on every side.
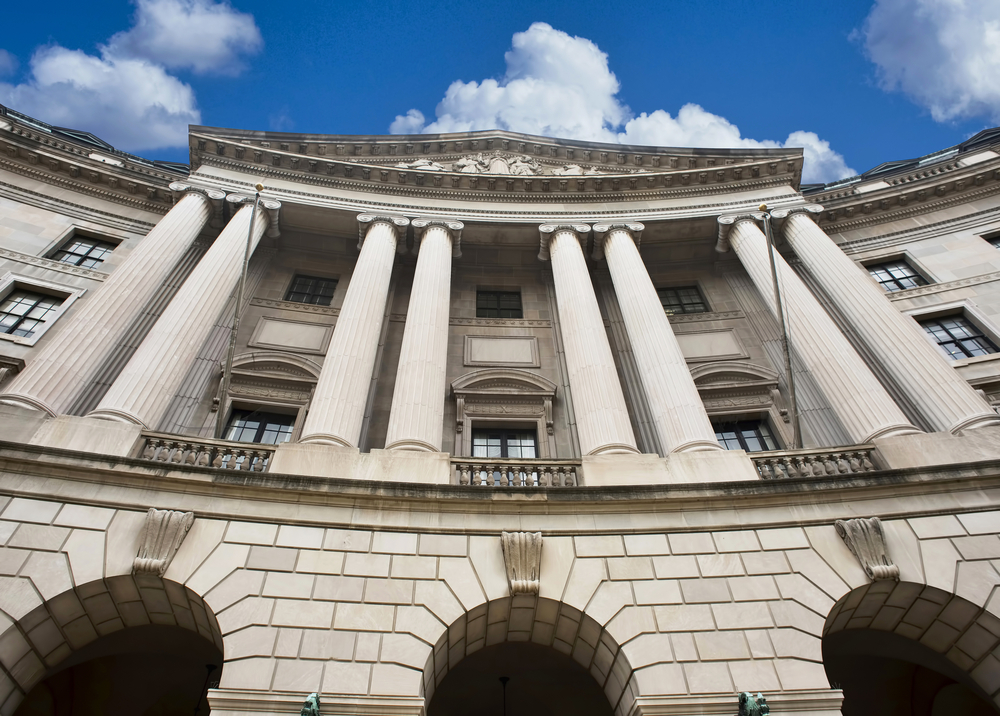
(81, 251)
(22, 313)
(958, 338)
(514, 443)
(498, 304)
(311, 289)
(686, 299)
(896, 276)
(257, 427)
(749, 435)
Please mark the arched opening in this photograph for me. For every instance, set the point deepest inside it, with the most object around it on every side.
(130, 644)
(558, 661)
(905, 649)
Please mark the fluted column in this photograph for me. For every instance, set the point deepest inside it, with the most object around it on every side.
(602, 420)
(678, 413)
(149, 381)
(866, 410)
(416, 419)
(73, 351)
(900, 344)
(337, 410)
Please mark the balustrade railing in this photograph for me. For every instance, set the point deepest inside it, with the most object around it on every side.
(206, 453)
(485, 472)
(815, 463)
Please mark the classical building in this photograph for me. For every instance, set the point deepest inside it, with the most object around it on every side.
(451, 424)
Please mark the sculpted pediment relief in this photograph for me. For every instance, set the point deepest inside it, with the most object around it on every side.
(497, 163)
(276, 366)
(499, 381)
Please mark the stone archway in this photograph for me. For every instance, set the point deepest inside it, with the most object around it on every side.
(903, 635)
(129, 614)
(541, 624)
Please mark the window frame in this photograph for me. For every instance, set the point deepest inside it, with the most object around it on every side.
(296, 276)
(80, 236)
(505, 430)
(498, 292)
(918, 272)
(967, 310)
(263, 410)
(737, 420)
(11, 282)
(696, 287)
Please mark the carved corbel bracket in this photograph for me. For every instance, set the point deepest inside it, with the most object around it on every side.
(522, 555)
(398, 223)
(161, 537)
(601, 231)
(726, 224)
(547, 231)
(452, 226)
(866, 539)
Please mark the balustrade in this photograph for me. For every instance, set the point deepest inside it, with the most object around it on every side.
(484, 472)
(205, 453)
(815, 463)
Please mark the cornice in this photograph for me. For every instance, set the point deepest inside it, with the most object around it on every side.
(295, 306)
(368, 206)
(501, 322)
(44, 201)
(705, 317)
(159, 205)
(377, 179)
(942, 287)
(52, 265)
(906, 235)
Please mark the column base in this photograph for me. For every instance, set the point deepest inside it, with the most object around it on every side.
(893, 431)
(412, 444)
(975, 422)
(118, 416)
(697, 446)
(927, 449)
(26, 401)
(326, 439)
(615, 449)
(104, 437)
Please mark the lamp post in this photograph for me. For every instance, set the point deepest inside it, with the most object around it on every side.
(227, 371)
(783, 325)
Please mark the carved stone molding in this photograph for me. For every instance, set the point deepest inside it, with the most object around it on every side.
(452, 226)
(295, 306)
(9, 367)
(161, 537)
(726, 224)
(398, 223)
(52, 265)
(866, 539)
(634, 230)
(547, 231)
(522, 555)
(942, 287)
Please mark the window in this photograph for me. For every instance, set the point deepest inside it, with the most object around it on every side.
(686, 299)
(24, 313)
(896, 276)
(310, 289)
(504, 443)
(957, 337)
(995, 240)
(84, 251)
(749, 435)
(254, 426)
(498, 304)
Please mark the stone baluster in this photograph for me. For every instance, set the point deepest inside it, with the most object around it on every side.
(678, 412)
(416, 418)
(76, 347)
(602, 419)
(337, 411)
(864, 407)
(143, 390)
(942, 395)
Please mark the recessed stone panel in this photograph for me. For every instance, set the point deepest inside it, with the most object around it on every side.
(711, 345)
(298, 336)
(515, 351)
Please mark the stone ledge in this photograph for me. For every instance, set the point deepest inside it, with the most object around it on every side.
(238, 702)
(819, 702)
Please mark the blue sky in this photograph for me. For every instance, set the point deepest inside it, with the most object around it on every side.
(856, 82)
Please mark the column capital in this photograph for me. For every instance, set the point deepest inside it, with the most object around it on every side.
(547, 231)
(215, 197)
(812, 210)
(398, 224)
(726, 224)
(452, 226)
(271, 206)
(634, 229)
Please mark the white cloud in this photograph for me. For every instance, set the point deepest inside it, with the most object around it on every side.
(561, 86)
(944, 54)
(8, 63)
(125, 94)
(204, 36)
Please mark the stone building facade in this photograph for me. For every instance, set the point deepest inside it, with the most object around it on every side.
(495, 406)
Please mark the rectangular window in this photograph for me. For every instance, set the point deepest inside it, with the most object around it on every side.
(685, 299)
(310, 289)
(498, 304)
(749, 435)
(957, 337)
(24, 313)
(84, 251)
(504, 443)
(254, 426)
(995, 241)
(896, 276)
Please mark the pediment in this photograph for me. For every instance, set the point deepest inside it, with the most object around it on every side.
(276, 366)
(503, 381)
(726, 376)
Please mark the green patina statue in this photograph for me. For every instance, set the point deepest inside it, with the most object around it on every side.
(311, 706)
(750, 706)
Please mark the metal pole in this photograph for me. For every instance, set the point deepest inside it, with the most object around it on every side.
(504, 680)
(792, 403)
(227, 371)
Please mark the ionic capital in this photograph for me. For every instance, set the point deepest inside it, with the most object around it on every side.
(810, 210)
(601, 231)
(547, 231)
(452, 226)
(726, 224)
(271, 206)
(397, 223)
(215, 197)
